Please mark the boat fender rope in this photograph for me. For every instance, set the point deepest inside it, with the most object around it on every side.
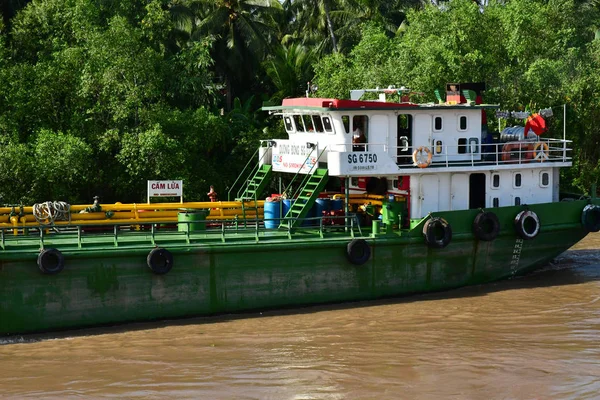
(51, 261)
(437, 232)
(160, 261)
(527, 224)
(590, 218)
(486, 226)
(418, 156)
(358, 251)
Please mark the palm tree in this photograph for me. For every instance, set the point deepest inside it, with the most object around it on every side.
(290, 68)
(243, 33)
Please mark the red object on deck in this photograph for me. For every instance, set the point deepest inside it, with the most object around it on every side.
(536, 123)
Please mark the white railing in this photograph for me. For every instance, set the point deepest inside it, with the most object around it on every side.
(470, 154)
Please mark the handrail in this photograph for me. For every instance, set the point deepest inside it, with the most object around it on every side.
(253, 171)
(241, 174)
(75, 236)
(308, 175)
(285, 194)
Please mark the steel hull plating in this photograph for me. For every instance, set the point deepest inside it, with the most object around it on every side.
(108, 286)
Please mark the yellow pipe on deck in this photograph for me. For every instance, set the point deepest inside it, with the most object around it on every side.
(76, 208)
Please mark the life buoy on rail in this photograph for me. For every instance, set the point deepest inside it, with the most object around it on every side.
(517, 152)
(51, 261)
(419, 159)
(358, 251)
(527, 224)
(541, 151)
(590, 218)
(437, 232)
(486, 226)
(160, 260)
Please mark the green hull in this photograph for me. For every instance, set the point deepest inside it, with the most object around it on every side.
(107, 284)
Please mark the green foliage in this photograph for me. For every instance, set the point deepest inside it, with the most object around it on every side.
(16, 174)
(290, 69)
(61, 162)
(96, 97)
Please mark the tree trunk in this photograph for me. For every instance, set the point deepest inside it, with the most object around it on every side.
(330, 26)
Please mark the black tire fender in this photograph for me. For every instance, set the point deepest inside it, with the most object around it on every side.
(590, 218)
(358, 251)
(437, 232)
(486, 226)
(527, 224)
(160, 261)
(51, 261)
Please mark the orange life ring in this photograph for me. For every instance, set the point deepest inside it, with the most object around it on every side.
(514, 152)
(541, 151)
(418, 154)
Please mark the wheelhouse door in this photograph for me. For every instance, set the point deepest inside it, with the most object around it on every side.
(477, 191)
(429, 194)
(459, 192)
(404, 139)
(378, 133)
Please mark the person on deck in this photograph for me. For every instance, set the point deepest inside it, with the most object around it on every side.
(212, 195)
(358, 135)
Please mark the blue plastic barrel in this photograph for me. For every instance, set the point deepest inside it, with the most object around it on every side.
(272, 209)
(287, 204)
(337, 204)
(322, 205)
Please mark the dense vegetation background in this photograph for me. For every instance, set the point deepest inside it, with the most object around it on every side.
(98, 96)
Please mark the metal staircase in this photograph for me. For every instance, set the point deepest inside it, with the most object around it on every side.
(257, 184)
(254, 188)
(312, 185)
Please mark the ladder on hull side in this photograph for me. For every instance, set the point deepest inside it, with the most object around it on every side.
(311, 189)
(254, 188)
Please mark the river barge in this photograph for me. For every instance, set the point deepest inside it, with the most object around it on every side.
(385, 198)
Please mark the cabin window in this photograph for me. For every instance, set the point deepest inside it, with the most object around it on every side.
(327, 124)
(517, 201)
(462, 146)
(288, 124)
(360, 133)
(346, 122)
(308, 124)
(517, 180)
(404, 121)
(299, 124)
(495, 202)
(544, 179)
(495, 181)
(437, 124)
(462, 123)
(438, 147)
(317, 123)
(354, 182)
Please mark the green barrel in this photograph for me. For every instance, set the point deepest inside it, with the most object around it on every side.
(192, 220)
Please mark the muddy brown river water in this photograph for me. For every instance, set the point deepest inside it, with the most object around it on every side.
(534, 337)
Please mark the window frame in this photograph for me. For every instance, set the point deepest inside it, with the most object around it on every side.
(435, 118)
(459, 128)
(542, 179)
(495, 174)
(514, 180)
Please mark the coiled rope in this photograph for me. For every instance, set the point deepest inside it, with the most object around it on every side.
(48, 212)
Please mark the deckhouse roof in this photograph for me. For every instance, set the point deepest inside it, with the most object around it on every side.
(322, 104)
